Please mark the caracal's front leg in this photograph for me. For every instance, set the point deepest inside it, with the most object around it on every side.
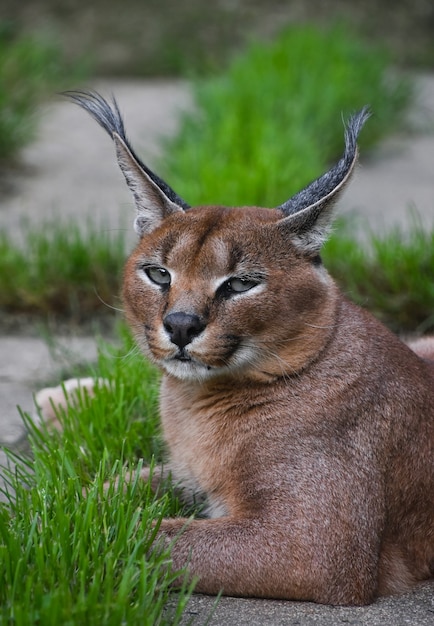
(254, 557)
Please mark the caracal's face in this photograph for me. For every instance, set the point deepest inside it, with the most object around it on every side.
(215, 291)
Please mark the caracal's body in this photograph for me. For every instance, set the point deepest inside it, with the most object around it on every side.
(304, 424)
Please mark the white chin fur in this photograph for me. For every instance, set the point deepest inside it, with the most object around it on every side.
(188, 370)
(196, 371)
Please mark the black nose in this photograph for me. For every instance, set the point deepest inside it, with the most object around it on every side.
(182, 328)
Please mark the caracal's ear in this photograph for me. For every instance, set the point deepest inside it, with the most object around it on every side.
(308, 214)
(154, 199)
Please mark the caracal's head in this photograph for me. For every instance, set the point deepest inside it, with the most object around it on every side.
(212, 291)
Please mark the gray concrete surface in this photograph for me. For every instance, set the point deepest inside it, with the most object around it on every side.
(399, 174)
(411, 609)
(70, 171)
(26, 365)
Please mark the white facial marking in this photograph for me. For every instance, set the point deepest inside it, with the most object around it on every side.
(196, 370)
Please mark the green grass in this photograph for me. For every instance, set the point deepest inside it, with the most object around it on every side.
(71, 559)
(62, 270)
(392, 276)
(66, 273)
(31, 69)
(272, 121)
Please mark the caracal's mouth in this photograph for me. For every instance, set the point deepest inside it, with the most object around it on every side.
(185, 366)
(183, 356)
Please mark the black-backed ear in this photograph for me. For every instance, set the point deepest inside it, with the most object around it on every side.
(309, 214)
(152, 204)
(154, 199)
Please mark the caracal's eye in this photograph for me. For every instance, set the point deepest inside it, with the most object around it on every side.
(238, 285)
(158, 275)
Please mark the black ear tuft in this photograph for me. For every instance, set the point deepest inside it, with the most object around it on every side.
(308, 215)
(109, 117)
(323, 188)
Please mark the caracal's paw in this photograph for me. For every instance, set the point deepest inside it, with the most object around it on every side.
(52, 400)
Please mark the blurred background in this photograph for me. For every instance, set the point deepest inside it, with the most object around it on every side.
(165, 37)
(233, 102)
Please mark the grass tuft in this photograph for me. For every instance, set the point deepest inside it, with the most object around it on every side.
(392, 276)
(62, 270)
(68, 558)
(272, 121)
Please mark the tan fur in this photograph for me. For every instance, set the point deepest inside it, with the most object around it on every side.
(317, 457)
(305, 425)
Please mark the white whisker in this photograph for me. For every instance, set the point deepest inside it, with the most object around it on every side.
(109, 306)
